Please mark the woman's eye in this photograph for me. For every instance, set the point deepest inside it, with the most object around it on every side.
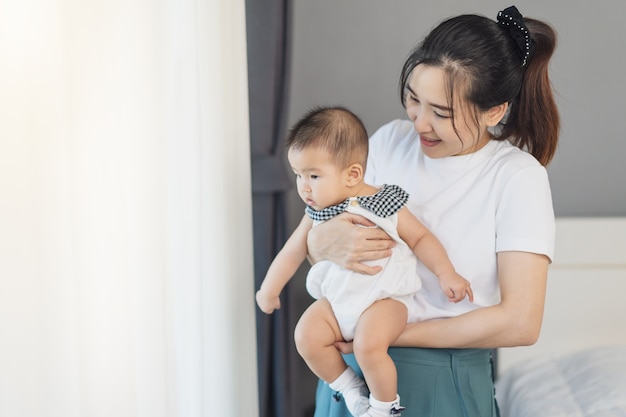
(442, 116)
(408, 96)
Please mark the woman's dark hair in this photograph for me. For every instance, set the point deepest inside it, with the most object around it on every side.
(483, 64)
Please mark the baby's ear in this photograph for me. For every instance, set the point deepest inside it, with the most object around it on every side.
(354, 174)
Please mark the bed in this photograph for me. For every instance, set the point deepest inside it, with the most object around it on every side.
(578, 366)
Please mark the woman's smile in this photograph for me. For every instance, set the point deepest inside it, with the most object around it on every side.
(426, 141)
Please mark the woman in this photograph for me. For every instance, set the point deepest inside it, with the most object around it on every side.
(482, 126)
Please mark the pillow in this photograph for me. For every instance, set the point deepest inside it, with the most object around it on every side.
(588, 383)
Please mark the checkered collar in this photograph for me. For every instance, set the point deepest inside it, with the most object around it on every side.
(384, 203)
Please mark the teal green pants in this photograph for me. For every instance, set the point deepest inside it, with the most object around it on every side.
(431, 383)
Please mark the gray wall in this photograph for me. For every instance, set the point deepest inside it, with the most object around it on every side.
(350, 52)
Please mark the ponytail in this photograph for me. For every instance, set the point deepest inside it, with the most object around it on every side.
(533, 122)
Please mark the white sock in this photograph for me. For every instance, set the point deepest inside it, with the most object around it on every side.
(353, 390)
(382, 408)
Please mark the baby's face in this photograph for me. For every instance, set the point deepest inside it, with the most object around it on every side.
(321, 183)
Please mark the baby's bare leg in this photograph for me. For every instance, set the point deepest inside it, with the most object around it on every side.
(315, 337)
(378, 327)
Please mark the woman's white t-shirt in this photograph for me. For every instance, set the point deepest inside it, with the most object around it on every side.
(493, 200)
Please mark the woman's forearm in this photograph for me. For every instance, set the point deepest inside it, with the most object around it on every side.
(488, 327)
(515, 321)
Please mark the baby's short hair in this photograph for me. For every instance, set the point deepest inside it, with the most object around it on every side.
(334, 129)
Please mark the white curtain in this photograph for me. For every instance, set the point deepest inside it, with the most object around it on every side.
(126, 284)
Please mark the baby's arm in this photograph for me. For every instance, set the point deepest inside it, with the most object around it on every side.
(282, 268)
(432, 253)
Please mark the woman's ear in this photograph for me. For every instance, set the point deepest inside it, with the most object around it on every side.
(495, 114)
(354, 174)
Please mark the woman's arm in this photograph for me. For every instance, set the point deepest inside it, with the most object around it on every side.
(343, 242)
(283, 267)
(515, 321)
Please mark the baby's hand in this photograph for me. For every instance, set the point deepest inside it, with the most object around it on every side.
(455, 287)
(267, 303)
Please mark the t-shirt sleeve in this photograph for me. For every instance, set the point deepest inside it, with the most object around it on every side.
(525, 216)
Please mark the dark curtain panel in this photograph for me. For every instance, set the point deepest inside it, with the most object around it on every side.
(268, 32)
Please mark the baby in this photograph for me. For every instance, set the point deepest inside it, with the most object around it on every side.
(327, 150)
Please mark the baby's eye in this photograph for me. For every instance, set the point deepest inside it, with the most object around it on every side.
(314, 177)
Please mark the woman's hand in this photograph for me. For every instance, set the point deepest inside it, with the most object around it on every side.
(344, 347)
(343, 242)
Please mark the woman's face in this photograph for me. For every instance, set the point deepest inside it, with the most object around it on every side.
(428, 108)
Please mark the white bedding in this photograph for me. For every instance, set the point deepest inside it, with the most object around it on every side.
(588, 383)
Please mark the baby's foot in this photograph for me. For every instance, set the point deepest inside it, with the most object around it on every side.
(356, 399)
